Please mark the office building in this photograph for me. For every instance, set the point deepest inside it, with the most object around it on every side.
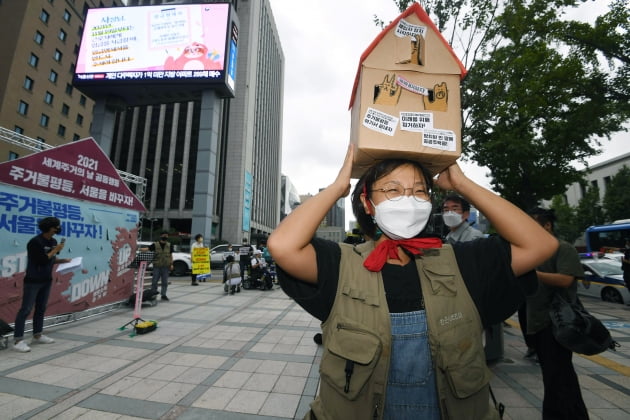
(40, 42)
(159, 141)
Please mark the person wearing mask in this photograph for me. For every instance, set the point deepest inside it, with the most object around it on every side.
(162, 263)
(41, 257)
(228, 253)
(402, 315)
(197, 244)
(562, 398)
(455, 213)
(245, 253)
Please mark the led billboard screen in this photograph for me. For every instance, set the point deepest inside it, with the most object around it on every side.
(190, 45)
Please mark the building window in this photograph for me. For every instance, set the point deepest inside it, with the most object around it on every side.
(18, 129)
(75, 137)
(69, 89)
(39, 37)
(44, 16)
(65, 110)
(82, 100)
(57, 56)
(23, 108)
(48, 98)
(13, 155)
(79, 119)
(66, 16)
(41, 140)
(72, 67)
(62, 35)
(61, 130)
(80, 31)
(28, 83)
(33, 60)
(43, 120)
(607, 181)
(53, 76)
(594, 184)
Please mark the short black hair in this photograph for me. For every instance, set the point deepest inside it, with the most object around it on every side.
(229, 258)
(465, 205)
(544, 216)
(47, 223)
(373, 174)
(197, 236)
(164, 232)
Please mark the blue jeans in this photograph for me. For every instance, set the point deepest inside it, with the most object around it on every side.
(160, 272)
(411, 389)
(34, 294)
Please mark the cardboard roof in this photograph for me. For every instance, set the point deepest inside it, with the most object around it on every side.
(416, 9)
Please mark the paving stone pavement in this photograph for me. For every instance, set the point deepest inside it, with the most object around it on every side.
(245, 356)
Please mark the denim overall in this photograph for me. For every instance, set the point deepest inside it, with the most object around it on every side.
(411, 390)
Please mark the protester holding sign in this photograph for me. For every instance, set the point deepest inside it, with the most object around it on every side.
(41, 257)
(197, 244)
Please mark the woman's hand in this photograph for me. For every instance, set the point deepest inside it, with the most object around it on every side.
(451, 178)
(290, 244)
(343, 178)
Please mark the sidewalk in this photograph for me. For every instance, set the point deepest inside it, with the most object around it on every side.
(246, 356)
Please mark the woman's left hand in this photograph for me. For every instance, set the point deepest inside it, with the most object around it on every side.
(451, 178)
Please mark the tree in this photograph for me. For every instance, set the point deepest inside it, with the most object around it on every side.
(617, 196)
(535, 99)
(589, 212)
(565, 227)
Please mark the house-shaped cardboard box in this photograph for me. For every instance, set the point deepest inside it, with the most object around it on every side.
(406, 97)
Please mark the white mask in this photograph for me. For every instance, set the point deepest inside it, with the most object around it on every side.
(403, 218)
(452, 219)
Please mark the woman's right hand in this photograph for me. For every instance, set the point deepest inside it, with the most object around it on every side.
(343, 177)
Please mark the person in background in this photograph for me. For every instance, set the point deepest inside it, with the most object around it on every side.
(231, 276)
(625, 263)
(455, 213)
(245, 253)
(197, 244)
(41, 254)
(229, 252)
(563, 397)
(402, 315)
(162, 263)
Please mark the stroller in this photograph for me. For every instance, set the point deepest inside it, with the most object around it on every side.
(231, 276)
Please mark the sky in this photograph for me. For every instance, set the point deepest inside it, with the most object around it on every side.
(322, 42)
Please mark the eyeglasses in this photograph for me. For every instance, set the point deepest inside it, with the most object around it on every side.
(394, 191)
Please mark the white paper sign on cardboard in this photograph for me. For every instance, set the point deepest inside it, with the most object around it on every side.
(416, 121)
(411, 87)
(405, 28)
(380, 121)
(440, 139)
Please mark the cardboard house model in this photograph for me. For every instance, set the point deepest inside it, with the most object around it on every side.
(406, 97)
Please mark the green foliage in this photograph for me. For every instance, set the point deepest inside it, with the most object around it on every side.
(617, 197)
(589, 211)
(565, 226)
(538, 94)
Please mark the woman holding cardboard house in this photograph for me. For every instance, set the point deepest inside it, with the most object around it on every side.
(403, 316)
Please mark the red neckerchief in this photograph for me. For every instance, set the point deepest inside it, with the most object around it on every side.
(389, 249)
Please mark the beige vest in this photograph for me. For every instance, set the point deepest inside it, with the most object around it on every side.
(358, 329)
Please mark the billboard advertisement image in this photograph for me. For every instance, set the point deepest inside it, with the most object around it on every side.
(189, 43)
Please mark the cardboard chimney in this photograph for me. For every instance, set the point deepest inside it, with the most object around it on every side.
(406, 96)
